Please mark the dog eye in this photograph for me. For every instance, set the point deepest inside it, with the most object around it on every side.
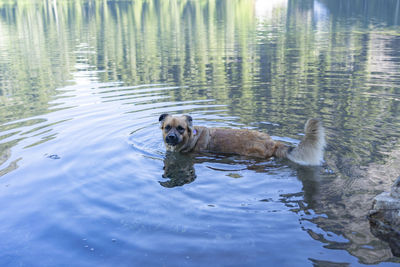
(168, 127)
(180, 129)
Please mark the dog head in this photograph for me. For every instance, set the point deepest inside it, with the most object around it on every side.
(176, 130)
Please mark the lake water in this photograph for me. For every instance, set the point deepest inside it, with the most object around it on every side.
(82, 84)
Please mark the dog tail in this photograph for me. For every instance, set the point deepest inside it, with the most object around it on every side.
(310, 150)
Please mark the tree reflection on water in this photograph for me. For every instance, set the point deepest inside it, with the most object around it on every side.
(338, 60)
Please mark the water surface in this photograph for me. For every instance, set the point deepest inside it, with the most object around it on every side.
(84, 177)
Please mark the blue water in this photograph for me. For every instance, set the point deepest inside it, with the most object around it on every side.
(81, 153)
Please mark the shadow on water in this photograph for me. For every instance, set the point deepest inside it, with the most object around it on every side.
(333, 218)
(180, 168)
(86, 80)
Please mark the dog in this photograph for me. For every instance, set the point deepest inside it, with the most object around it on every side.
(180, 135)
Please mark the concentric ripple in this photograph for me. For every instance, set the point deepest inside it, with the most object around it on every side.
(84, 176)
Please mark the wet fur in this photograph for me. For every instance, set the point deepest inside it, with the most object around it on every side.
(243, 142)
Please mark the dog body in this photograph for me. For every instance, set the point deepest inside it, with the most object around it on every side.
(180, 135)
(234, 141)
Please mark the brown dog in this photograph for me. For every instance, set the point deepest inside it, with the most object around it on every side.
(180, 135)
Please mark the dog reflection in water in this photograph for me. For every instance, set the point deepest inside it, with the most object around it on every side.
(179, 169)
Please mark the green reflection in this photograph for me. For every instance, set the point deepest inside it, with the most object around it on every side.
(338, 60)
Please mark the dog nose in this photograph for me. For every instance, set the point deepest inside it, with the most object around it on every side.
(171, 139)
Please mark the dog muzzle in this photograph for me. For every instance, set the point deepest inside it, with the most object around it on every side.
(172, 139)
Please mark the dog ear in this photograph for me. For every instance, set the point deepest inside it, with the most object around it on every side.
(189, 121)
(162, 118)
